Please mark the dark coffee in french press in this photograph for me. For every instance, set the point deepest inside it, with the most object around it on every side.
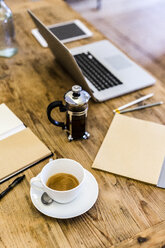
(76, 113)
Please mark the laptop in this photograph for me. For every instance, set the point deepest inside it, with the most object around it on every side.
(99, 67)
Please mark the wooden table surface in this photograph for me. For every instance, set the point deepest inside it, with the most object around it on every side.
(127, 213)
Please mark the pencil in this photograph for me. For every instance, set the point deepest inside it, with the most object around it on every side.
(133, 102)
(140, 107)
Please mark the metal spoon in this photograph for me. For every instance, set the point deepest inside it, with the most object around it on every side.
(46, 199)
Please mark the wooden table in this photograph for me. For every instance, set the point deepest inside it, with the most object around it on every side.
(127, 213)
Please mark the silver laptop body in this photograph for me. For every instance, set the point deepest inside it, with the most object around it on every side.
(128, 74)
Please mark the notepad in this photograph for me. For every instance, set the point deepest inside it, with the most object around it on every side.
(20, 148)
(134, 148)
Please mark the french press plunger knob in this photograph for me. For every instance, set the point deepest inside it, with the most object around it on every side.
(76, 113)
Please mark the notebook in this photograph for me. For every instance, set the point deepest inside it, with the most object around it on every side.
(100, 67)
(20, 148)
(135, 149)
(9, 122)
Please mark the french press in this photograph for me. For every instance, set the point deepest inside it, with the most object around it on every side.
(76, 113)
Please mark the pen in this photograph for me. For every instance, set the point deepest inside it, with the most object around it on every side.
(12, 185)
(133, 102)
(140, 107)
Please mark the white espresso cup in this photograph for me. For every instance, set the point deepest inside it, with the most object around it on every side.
(61, 165)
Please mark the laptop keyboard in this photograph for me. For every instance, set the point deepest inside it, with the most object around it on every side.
(95, 72)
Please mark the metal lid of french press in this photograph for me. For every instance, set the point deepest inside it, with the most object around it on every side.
(77, 96)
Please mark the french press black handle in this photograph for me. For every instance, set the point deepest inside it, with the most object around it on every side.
(49, 110)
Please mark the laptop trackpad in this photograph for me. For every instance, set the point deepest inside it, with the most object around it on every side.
(118, 62)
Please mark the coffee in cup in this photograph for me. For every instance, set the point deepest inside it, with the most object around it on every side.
(62, 181)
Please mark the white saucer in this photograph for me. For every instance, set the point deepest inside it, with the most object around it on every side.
(80, 205)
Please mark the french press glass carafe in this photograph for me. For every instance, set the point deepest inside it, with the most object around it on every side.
(76, 113)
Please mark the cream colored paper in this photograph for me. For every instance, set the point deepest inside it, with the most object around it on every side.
(20, 151)
(133, 148)
(8, 120)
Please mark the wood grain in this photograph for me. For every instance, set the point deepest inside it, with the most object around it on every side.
(29, 81)
(151, 237)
